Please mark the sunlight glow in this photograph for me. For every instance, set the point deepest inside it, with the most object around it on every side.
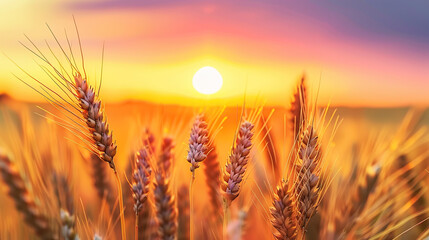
(207, 80)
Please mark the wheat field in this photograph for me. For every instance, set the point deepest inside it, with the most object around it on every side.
(76, 168)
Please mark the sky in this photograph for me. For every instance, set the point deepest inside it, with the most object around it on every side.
(358, 53)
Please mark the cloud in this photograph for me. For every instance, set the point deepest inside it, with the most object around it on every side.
(383, 18)
(404, 20)
(109, 4)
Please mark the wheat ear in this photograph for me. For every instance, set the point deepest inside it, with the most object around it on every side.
(282, 211)
(198, 141)
(358, 200)
(307, 187)
(237, 163)
(68, 226)
(165, 206)
(365, 188)
(141, 180)
(23, 201)
(141, 183)
(142, 172)
(65, 199)
(299, 107)
(212, 172)
(165, 159)
(93, 113)
(166, 212)
(144, 216)
(413, 183)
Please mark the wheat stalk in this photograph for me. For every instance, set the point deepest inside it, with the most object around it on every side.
(236, 166)
(307, 188)
(23, 201)
(282, 211)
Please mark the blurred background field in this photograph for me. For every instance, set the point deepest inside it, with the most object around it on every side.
(360, 128)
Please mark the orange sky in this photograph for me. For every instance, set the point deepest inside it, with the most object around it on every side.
(361, 55)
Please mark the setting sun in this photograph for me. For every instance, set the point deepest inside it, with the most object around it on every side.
(207, 80)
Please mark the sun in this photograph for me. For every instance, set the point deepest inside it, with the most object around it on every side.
(207, 80)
